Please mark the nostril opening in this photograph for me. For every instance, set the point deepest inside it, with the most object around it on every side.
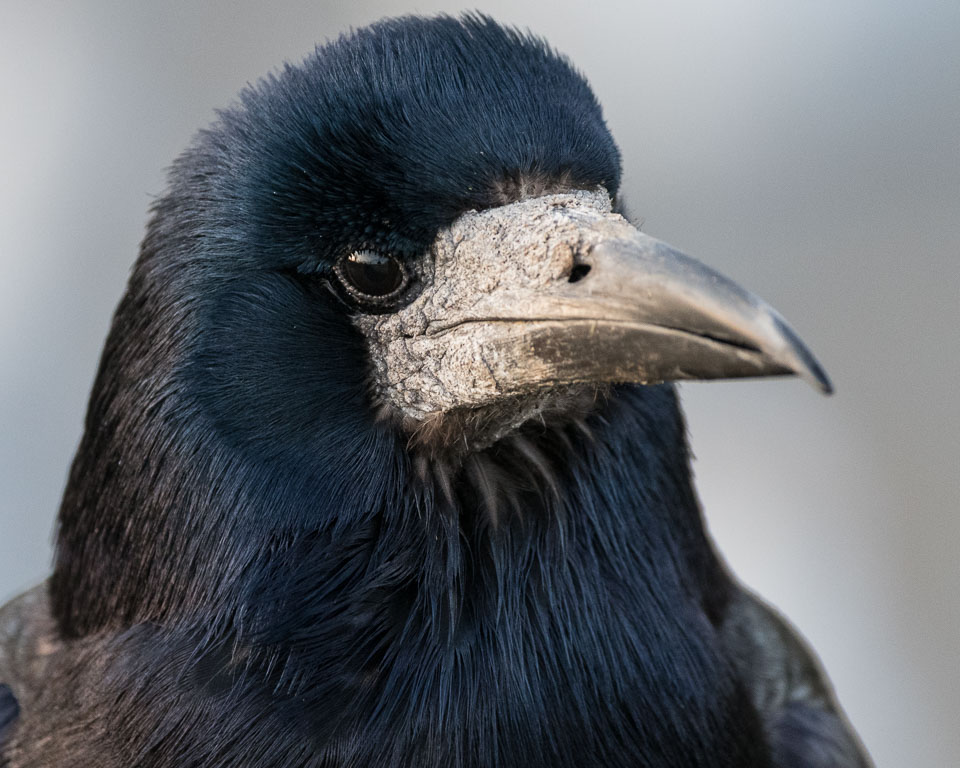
(578, 272)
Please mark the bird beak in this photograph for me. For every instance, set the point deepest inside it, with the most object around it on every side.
(645, 313)
(576, 294)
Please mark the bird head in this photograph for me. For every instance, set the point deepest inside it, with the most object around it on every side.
(412, 239)
(448, 189)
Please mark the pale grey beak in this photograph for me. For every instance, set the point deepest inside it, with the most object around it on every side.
(642, 311)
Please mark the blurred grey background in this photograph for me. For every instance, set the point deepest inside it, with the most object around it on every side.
(809, 150)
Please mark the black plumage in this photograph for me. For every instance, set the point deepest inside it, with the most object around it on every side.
(257, 566)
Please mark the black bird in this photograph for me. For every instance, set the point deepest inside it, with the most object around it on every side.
(380, 468)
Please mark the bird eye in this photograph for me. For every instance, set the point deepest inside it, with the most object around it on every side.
(372, 276)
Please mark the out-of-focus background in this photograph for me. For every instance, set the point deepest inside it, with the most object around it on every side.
(809, 150)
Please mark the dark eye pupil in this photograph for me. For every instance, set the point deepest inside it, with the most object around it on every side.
(372, 274)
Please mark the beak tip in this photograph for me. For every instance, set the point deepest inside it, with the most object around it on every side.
(813, 372)
(823, 383)
(803, 361)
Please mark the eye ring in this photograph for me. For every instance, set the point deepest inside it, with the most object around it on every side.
(372, 278)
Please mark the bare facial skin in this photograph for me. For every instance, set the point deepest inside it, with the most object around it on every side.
(434, 355)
